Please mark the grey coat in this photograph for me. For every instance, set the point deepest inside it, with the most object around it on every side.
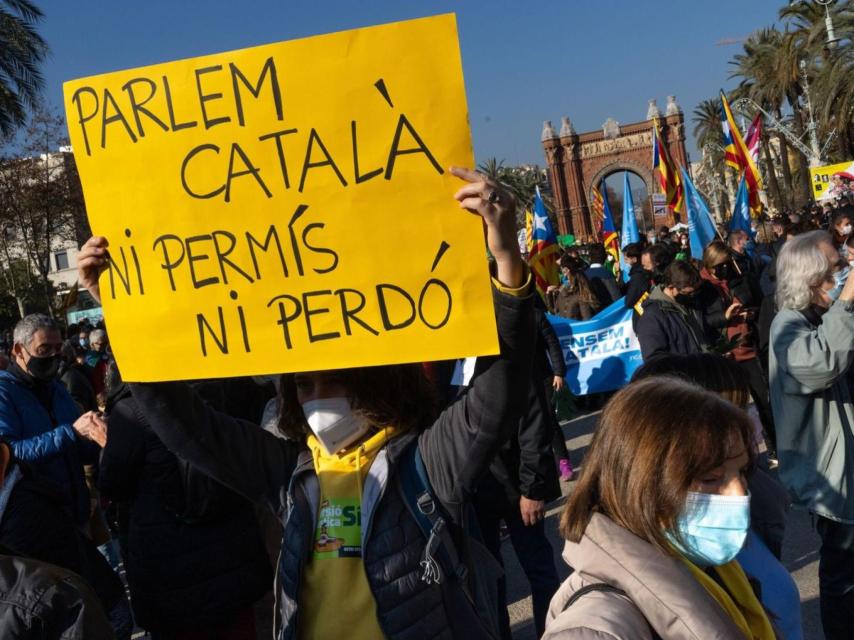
(808, 361)
(660, 593)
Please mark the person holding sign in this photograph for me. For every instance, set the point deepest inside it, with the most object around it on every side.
(373, 497)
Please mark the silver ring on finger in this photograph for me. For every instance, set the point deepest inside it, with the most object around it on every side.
(493, 197)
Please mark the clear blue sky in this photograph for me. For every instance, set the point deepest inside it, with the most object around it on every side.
(524, 61)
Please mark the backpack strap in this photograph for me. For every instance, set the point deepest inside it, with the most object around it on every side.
(440, 554)
(596, 586)
(602, 586)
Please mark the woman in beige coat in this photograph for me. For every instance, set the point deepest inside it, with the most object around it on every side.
(660, 511)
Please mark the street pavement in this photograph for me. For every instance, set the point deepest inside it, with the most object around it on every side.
(800, 549)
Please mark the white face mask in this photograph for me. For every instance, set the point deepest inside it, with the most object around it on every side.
(846, 230)
(334, 423)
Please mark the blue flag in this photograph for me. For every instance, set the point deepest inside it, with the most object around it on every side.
(601, 353)
(630, 224)
(741, 211)
(701, 229)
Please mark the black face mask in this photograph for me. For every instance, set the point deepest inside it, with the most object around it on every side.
(685, 300)
(721, 271)
(43, 368)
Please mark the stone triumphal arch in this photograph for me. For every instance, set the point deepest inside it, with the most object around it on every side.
(579, 161)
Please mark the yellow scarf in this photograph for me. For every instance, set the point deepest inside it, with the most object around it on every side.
(743, 607)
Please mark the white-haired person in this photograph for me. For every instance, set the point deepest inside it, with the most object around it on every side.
(812, 348)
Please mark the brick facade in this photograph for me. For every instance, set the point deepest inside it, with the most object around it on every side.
(577, 162)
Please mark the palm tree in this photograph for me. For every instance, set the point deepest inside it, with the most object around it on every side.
(770, 72)
(522, 182)
(806, 24)
(829, 69)
(835, 104)
(770, 75)
(21, 52)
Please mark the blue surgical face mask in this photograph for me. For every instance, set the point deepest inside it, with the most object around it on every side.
(711, 529)
(839, 279)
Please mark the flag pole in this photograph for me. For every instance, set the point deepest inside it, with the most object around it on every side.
(718, 232)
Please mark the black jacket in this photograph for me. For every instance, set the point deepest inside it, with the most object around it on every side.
(44, 602)
(639, 283)
(35, 525)
(76, 379)
(456, 450)
(548, 355)
(746, 286)
(192, 548)
(666, 327)
(603, 284)
(525, 463)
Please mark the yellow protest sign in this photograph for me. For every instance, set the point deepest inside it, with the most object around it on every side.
(286, 207)
(823, 184)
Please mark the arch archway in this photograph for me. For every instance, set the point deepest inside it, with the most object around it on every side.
(641, 185)
(579, 160)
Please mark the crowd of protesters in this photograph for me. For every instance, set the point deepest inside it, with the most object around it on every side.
(372, 502)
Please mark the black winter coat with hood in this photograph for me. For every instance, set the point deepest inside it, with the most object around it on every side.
(193, 550)
(669, 327)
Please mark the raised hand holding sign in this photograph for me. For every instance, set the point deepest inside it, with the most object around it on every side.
(287, 207)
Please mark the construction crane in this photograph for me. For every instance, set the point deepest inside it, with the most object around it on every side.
(724, 42)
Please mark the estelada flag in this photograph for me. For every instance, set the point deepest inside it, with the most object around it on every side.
(544, 250)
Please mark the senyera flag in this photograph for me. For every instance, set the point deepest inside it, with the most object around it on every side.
(738, 156)
(598, 207)
(609, 230)
(668, 175)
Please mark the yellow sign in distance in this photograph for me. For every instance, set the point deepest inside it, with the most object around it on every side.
(822, 178)
(286, 207)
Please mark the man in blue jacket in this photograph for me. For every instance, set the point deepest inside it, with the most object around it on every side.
(39, 419)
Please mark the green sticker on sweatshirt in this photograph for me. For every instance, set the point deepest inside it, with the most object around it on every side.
(339, 529)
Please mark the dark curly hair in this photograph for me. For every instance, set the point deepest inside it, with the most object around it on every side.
(398, 395)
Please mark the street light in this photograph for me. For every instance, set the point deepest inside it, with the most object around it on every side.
(832, 40)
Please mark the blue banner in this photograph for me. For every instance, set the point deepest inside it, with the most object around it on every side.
(601, 353)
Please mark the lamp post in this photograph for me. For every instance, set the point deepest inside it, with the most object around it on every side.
(812, 126)
(832, 41)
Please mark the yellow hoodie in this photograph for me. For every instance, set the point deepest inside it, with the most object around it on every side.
(335, 599)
